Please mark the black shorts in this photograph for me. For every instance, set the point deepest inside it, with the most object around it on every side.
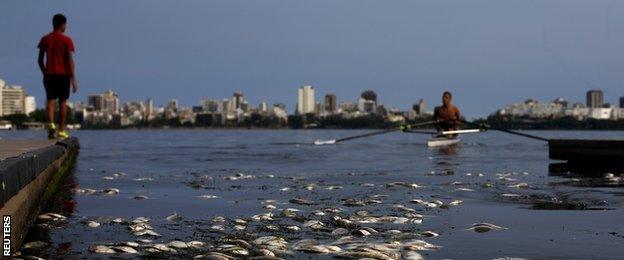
(56, 87)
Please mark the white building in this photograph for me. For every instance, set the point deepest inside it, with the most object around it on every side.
(306, 100)
(1, 87)
(30, 104)
(13, 100)
(366, 106)
(601, 113)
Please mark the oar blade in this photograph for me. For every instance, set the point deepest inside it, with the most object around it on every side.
(324, 142)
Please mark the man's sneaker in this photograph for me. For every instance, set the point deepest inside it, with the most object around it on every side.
(63, 135)
(51, 131)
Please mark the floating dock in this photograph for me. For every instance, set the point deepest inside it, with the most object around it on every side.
(30, 171)
(587, 152)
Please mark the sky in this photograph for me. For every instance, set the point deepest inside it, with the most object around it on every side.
(487, 53)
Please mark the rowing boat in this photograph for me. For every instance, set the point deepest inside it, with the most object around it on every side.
(442, 141)
(446, 138)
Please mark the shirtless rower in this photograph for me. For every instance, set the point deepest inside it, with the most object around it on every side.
(447, 115)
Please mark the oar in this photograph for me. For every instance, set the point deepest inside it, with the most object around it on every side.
(507, 131)
(320, 142)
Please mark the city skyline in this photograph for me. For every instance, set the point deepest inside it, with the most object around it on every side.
(405, 51)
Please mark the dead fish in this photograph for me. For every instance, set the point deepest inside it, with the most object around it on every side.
(140, 220)
(301, 201)
(177, 244)
(270, 207)
(163, 248)
(34, 245)
(333, 187)
(240, 221)
(285, 189)
(145, 241)
(404, 208)
(314, 249)
(143, 179)
(293, 228)
(207, 196)
(510, 195)
(117, 220)
(361, 232)
(195, 244)
(318, 213)
(464, 189)
(484, 227)
(147, 232)
(51, 217)
(353, 203)
(411, 255)
(102, 249)
(340, 232)
(92, 224)
(429, 233)
(108, 178)
(85, 191)
(139, 227)
(262, 217)
(174, 217)
(418, 245)
(455, 202)
(140, 197)
(314, 224)
(217, 228)
(368, 185)
(130, 244)
(125, 249)
(521, 185)
(290, 212)
(239, 227)
(233, 250)
(111, 191)
(218, 219)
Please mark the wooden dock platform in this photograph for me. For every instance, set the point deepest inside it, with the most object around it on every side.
(587, 152)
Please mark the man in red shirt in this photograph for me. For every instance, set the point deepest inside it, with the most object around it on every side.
(58, 72)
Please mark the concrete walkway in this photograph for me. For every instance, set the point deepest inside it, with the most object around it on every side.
(12, 148)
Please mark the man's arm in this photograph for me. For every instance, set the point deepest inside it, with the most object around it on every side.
(73, 71)
(40, 61)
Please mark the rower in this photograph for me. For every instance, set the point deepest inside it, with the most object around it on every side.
(447, 115)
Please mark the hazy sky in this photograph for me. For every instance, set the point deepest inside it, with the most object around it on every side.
(488, 53)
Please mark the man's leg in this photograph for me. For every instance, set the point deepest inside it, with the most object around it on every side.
(50, 109)
(63, 108)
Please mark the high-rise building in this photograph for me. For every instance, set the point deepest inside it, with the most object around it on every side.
(110, 101)
(306, 101)
(172, 105)
(13, 100)
(594, 99)
(622, 102)
(330, 103)
(149, 109)
(420, 107)
(96, 101)
(30, 104)
(263, 107)
(238, 99)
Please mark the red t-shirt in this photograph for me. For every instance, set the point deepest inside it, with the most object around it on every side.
(57, 47)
